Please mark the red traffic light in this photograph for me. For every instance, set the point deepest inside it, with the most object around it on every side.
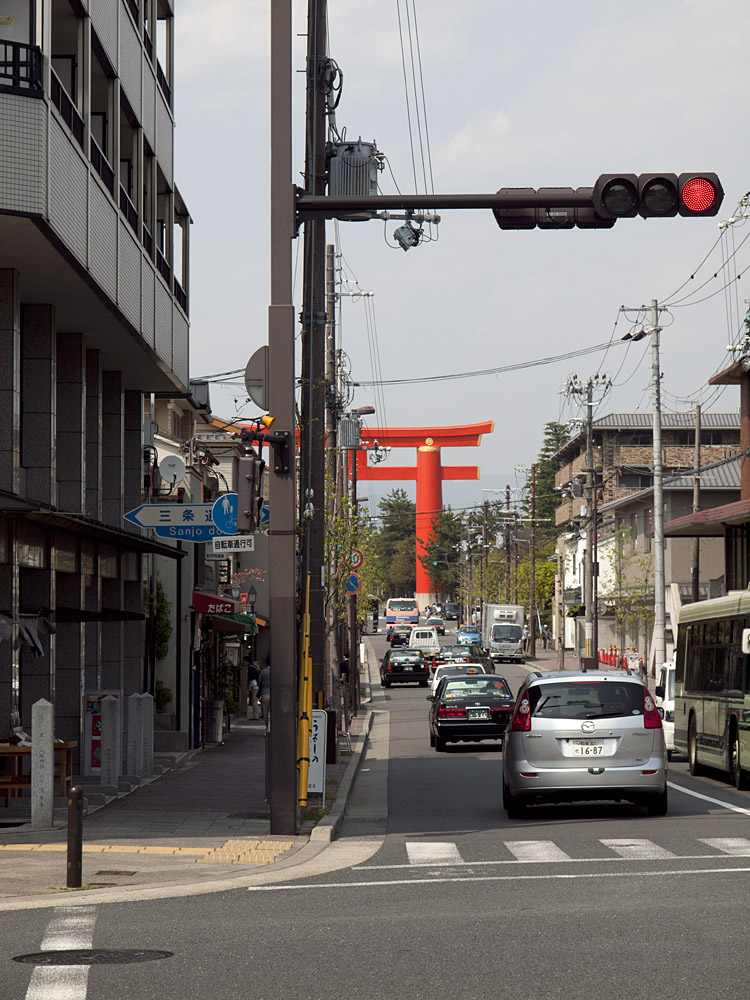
(657, 195)
(700, 194)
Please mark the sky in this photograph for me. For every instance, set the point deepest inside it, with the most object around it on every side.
(543, 93)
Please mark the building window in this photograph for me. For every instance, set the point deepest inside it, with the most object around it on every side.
(633, 480)
(628, 439)
(102, 90)
(129, 141)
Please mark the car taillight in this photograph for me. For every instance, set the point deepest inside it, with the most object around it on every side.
(651, 718)
(522, 717)
(451, 712)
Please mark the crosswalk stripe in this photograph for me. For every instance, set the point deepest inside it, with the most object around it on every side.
(641, 849)
(536, 850)
(737, 846)
(433, 854)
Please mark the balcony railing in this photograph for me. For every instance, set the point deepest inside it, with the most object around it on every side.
(147, 240)
(128, 209)
(133, 5)
(20, 67)
(165, 88)
(180, 294)
(163, 266)
(148, 43)
(68, 110)
(102, 167)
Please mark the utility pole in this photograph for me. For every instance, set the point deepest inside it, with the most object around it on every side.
(312, 429)
(561, 637)
(332, 478)
(282, 742)
(532, 567)
(485, 561)
(695, 568)
(660, 653)
(507, 543)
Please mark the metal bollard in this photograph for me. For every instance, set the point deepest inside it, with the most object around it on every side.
(75, 837)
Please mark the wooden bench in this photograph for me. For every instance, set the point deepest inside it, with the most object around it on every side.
(15, 781)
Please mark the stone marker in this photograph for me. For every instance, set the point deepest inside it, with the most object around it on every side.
(147, 713)
(110, 763)
(135, 736)
(42, 765)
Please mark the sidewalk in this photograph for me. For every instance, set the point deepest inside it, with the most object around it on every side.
(206, 821)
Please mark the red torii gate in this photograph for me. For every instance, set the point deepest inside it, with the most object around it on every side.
(428, 472)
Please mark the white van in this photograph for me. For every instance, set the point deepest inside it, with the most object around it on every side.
(664, 697)
(425, 637)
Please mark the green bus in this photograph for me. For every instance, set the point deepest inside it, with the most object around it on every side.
(712, 686)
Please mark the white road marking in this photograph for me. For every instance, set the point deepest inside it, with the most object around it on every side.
(739, 847)
(639, 849)
(707, 798)
(71, 928)
(433, 854)
(536, 850)
(499, 878)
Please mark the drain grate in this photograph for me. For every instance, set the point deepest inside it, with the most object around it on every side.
(91, 956)
(106, 871)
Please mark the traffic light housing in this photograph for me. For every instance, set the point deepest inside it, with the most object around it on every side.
(249, 492)
(568, 217)
(656, 195)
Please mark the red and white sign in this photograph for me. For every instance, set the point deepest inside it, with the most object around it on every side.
(215, 604)
(356, 559)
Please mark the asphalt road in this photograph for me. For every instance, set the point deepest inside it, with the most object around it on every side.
(444, 896)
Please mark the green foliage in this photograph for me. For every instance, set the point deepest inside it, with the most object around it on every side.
(631, 596)
(163, 621)
(395, 545)
(443, 552)
(162, 697)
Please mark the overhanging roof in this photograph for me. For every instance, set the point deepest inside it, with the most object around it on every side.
(711, 522)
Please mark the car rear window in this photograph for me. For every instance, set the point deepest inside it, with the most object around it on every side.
(407, 655)
(483, 687)
(585, 699)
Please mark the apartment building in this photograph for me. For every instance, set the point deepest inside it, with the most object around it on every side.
(94, 297)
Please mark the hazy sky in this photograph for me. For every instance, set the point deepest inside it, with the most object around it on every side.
(539, 93)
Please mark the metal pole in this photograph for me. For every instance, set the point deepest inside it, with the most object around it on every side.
(561, 637)
(507, 544)
(282, 741)
(695, 568)
(331, 470)
(532, 568)
(660, 654)
(75, 837)
(312, 424)
(353, 634)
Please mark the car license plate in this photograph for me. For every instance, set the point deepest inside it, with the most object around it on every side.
(478, 713)
(408, 666)
(585, 748)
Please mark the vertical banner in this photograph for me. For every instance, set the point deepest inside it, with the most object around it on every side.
(316, 775)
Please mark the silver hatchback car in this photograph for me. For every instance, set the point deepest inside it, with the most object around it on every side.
(578, 736)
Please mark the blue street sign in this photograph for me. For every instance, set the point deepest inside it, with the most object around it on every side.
(225, 513)
(189, 532)
(353, 584)
(265, 515)
(157, 515)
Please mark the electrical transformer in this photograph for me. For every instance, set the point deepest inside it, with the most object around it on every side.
(353, 170)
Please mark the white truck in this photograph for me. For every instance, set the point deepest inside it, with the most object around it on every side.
(502, 631)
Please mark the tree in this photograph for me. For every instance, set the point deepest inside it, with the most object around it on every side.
(443, 552)
(547, 500)
(396, 543)
(628, 588)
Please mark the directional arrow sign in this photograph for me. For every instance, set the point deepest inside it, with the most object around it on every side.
(156, 515)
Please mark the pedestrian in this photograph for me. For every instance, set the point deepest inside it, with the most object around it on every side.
(264, 685)
(546, 635)
(525, 637)
(253, 673)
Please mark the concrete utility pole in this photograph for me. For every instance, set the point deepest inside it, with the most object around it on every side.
(507, 544)
(312, 428)
(695, 568)
(282, 743)
(660, 653)
(332, 454)
(591, 527)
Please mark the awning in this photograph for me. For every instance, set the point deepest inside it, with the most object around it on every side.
(235, 623)
(206, 603)
(709, 522)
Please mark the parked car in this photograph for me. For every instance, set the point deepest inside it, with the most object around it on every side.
(437, 623)
(576, 736)
(469, 635)
(400, 635)
(451, 612)
(404, 666)
(468, 709)
(664, 698)
(455, 669)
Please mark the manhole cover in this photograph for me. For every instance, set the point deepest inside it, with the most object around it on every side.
(91, 956)
(106, 871)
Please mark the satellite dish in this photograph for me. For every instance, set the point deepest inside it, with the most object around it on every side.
(172, 469)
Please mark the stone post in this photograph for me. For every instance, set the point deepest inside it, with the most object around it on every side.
(42, 765)
(135, 736)
(147, 715)
(110, 762)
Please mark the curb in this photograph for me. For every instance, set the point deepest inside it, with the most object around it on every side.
(325, 831)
